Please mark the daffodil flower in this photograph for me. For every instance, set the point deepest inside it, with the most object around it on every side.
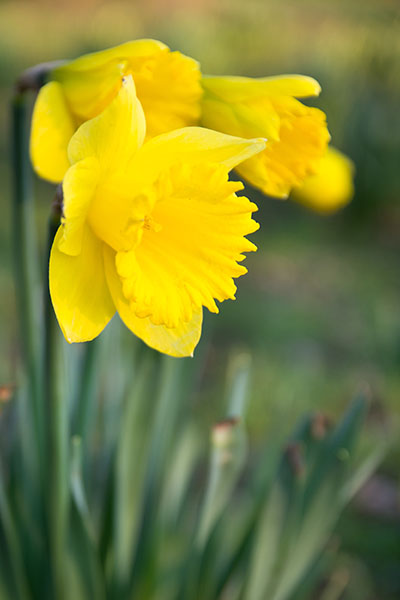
(167, 83)
(268, 107)
(331, 187)
(154, 231)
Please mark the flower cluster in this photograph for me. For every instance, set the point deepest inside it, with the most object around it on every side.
(143, 144)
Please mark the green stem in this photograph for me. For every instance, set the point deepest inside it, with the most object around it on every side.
(26, 263)
(57, 441)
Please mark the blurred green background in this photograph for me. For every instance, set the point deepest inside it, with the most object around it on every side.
(319, 309)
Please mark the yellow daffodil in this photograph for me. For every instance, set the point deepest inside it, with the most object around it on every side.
(331, 187)
(297, 134)
(154, 231)
(167, 83)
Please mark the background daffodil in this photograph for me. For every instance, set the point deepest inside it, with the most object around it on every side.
(331, 187)
(154, 231)
(297, 134)
(167, 83)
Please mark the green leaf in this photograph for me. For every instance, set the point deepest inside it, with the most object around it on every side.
(13, 544)
(84, 558)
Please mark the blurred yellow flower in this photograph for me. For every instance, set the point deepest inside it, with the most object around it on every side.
(154, 231)
(331, 187)
(297, 134)
(167, 83)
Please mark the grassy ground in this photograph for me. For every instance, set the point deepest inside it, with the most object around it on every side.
(319, 309)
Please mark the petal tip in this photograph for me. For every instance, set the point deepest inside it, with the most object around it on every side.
(261, 142)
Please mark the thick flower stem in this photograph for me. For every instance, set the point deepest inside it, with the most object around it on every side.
(26, 263)
(57, 440)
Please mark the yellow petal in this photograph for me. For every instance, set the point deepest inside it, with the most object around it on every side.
(93, 80)
(245, 120)
(79, 187)
(297, 135)
(79, 290)
(285, 163)
(191, 243)
(97, 60)
(298, 86)
(167, 83)
(168, 86)
(128, 198)
(331, 187)
(241, 89)
(51, 131)
(115, 135)
(192, 145)
(179, 341)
